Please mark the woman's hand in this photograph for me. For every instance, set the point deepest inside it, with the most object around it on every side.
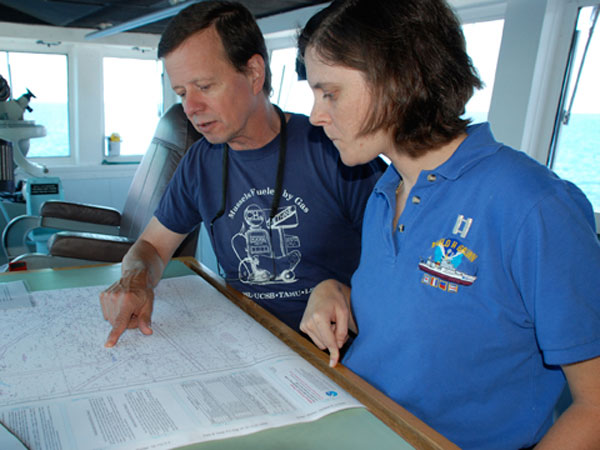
(328, 317)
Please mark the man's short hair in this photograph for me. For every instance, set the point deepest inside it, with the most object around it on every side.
(412, 54)
(235, 25)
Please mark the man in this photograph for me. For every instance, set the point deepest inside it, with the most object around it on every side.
(282, 210)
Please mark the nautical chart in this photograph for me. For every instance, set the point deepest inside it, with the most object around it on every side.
(207, 364)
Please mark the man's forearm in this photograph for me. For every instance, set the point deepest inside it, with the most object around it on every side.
(143, 257)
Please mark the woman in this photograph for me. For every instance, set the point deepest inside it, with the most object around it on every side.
(474, 297)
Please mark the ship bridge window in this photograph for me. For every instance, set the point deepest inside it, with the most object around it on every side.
(45, 76)
(483, 46)
(574, 151)
(289, 93)
(133, 104)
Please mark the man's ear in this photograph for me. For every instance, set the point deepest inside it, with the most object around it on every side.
(255, 69)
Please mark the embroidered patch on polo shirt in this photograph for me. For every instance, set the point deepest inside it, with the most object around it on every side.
(443, 270)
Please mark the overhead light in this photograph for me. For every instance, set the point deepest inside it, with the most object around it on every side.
(140, 21)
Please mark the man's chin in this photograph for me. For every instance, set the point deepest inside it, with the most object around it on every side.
(213, 139)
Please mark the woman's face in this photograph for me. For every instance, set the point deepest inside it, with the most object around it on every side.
(342, 101)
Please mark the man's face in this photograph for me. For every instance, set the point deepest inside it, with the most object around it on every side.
(216, 98)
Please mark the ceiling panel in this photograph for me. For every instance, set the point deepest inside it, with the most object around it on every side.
(98, 14)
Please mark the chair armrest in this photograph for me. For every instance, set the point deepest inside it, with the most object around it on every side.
(89, 246)
(14, 236)
(36, 261)
(72, 216)
(81, 212)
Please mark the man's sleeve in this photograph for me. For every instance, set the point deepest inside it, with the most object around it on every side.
(355, 185)
(178, 207)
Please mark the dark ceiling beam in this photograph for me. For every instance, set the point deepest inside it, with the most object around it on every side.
(54, 13)
(140, 21)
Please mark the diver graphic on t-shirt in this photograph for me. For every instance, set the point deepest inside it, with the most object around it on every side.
(266, 252)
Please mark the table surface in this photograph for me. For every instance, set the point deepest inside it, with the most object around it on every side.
(383, 424)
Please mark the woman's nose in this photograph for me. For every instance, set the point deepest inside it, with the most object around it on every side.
(318, 117)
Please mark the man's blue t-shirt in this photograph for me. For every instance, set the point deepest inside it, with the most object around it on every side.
(314, 235)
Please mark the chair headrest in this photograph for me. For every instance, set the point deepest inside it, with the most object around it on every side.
(175, 128)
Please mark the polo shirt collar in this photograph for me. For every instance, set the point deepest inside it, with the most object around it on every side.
(478, 144)
(387, 184)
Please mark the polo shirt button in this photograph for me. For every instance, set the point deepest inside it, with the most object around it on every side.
(431, 177)
(416, 200)
(401, 227)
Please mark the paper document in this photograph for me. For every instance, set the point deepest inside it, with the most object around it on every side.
(208, 372)
(14, 294)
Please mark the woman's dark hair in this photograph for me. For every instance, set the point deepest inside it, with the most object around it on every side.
(412, 54)
(237, 28)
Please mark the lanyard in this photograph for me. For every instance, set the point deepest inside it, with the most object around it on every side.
(278, 177)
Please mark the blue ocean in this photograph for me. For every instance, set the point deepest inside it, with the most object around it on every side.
(578, 155)
(577, 158)
(55, 118)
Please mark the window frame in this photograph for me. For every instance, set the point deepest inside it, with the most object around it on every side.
(138, 157)
(551, 66)
(84, 75)
(50, 48)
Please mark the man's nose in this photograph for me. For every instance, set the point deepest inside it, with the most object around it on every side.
(193, 104)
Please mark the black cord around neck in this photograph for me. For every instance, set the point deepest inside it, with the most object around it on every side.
(278, 177)
(280, 162)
